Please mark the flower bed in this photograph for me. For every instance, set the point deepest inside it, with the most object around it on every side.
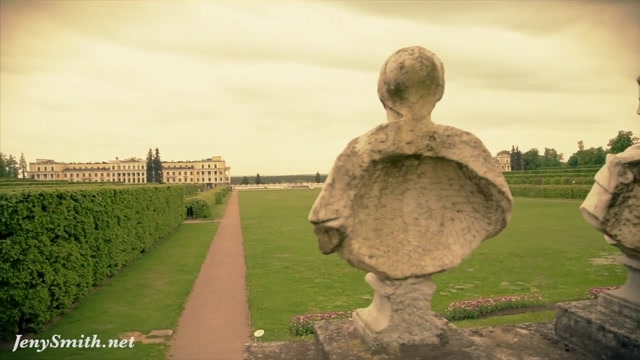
(471, 309)
(303, 324)
(593, 293)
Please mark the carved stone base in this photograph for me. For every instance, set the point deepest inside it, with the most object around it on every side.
(400, 314)
(597, 330)
(338, 340)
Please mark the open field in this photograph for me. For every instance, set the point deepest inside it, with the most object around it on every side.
(150, 294)
(547, 248)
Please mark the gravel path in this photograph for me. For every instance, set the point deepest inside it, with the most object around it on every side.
(215, 322)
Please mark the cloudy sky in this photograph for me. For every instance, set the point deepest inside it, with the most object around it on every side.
(280, 87)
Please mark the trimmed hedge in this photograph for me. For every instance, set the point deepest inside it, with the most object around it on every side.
(60, 184)
(57, 243)
(12, 179)
(549, 180)
(557, 171)
(221, 194)
(516, 174)
(551, 191)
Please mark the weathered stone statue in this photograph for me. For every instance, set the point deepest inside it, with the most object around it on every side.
(409, 199)
(610, 328)
(613, 208)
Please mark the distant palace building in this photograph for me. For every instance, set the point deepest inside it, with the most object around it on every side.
(210, 171)
(503, 161)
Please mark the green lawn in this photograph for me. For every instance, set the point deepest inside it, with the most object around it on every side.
(149, 294)
(546, 248)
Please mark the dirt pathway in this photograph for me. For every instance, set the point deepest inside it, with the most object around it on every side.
(215, 322)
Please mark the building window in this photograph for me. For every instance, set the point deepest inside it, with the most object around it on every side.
(209, 173)
(209, 179)
(209, 166)
(215, 166)
(38, 168)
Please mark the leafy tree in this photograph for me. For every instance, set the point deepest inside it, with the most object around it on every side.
(150, 164)
(12, 166)
(258, 180)
(517, 159)
(318, 179)
(23, 166)
(245, 181)
(3, 166)
(573, 161)
(590, 156)
(532, 159)
(551, 158)
(157, 167)
(621, 142)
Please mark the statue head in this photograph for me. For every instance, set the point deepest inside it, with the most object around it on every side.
(411, 82)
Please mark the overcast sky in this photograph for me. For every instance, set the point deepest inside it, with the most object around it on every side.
(279, 87)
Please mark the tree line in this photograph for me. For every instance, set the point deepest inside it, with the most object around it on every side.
(276, 179)
(10, 167)
(532, 159)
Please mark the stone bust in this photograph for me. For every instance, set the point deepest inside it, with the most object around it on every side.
(613, 204)
(410, 198)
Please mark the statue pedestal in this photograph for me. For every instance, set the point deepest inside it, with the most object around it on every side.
(608, 327)
(338, 339)
(400, 315)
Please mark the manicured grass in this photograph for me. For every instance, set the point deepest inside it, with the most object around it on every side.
(546, 249)
(149, 294)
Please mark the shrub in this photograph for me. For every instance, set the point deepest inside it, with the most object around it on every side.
(471, 309)
(197, 208)
(302, 325)
(57, 243)
(554, 181)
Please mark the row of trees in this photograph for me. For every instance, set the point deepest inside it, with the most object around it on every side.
(12, 168)
(154, 167)
(245, 180)
(532, 159)
(258, 180)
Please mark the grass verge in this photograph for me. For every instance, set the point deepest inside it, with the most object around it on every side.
(149, 294)
(547, 249)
